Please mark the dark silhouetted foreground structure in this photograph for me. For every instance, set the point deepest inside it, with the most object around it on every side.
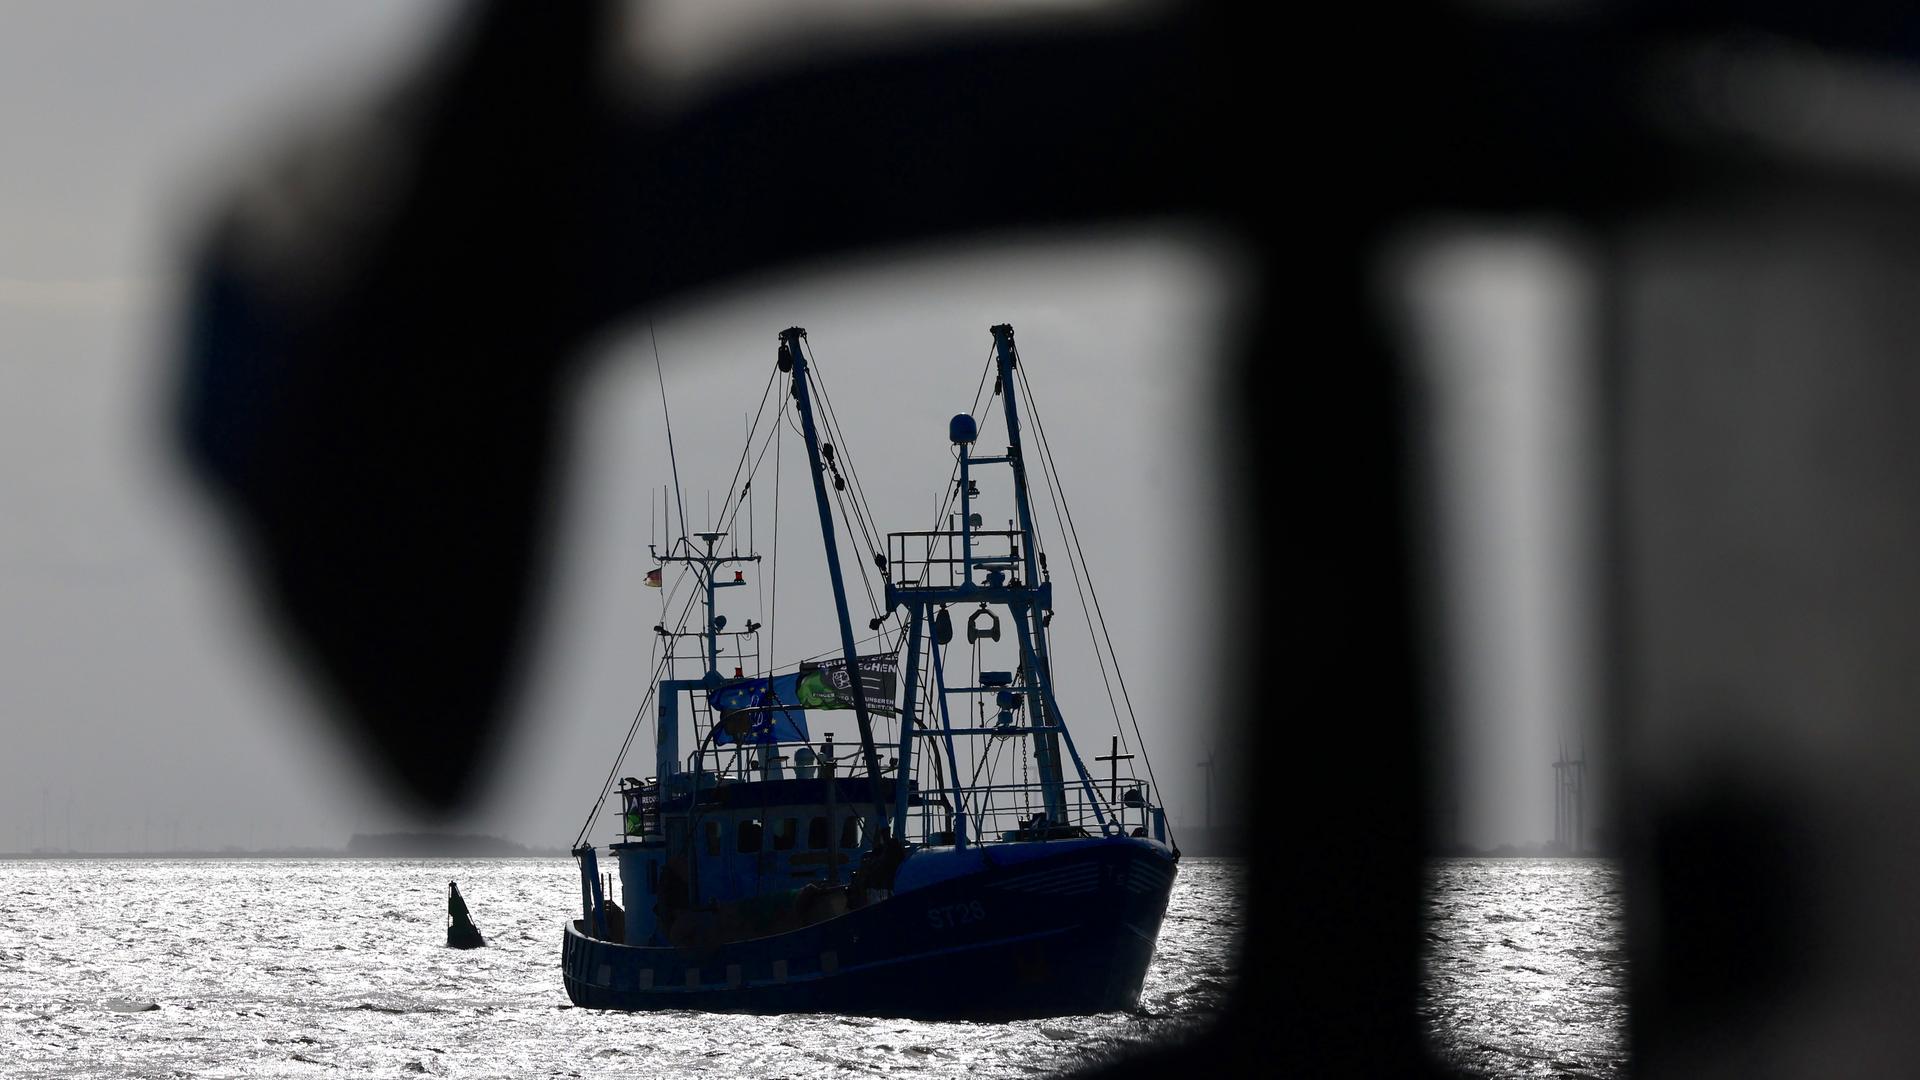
(377, 350)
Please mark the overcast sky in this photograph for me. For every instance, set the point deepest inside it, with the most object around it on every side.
(1503, 314)
(141, 700)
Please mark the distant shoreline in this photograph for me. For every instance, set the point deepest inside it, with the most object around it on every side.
(335, 853)
(393, 845)
(326, 853)
(1523, 855)
(1220, 842)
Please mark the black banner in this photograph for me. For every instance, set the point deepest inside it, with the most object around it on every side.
(825, 685)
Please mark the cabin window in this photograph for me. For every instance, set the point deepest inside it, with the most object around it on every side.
(786, 830)
(817, 833)
(749, 837)
(713, 838)
(850, 830)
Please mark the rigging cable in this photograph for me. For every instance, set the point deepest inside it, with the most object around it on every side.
(1046, 451)
(665, 663)
(1055, 497)
(633, 729)
(869, 533)
(772, 622)
(734, 493)
(943, 505)
(862, 507)
(833, 424)
(759, 581)
(745, 502)
(943, 510)
(854, 513)
(953, 478)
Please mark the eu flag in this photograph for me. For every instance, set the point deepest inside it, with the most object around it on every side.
(759, 710)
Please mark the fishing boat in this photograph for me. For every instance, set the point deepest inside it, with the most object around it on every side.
(981, 871)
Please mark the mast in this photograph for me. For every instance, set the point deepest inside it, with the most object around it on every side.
(1017, 581)
(1046, 746)
(794, 359)
(903, 765)
(706, 566)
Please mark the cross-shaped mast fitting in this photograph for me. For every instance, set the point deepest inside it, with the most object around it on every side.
(1113, 758)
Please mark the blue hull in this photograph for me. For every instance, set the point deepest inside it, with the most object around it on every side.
(1032, 933)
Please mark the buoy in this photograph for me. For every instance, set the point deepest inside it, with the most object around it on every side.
(461, 933)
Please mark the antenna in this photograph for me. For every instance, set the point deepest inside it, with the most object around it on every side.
(664, 411)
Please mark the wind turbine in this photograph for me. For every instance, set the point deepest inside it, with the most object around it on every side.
(1208, 766)
(1569, 800)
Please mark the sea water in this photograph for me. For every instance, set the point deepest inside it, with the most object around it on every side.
(338, 968)
(1526, 967)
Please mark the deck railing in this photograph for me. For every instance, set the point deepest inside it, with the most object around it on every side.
(997, 812)
(934, 560)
